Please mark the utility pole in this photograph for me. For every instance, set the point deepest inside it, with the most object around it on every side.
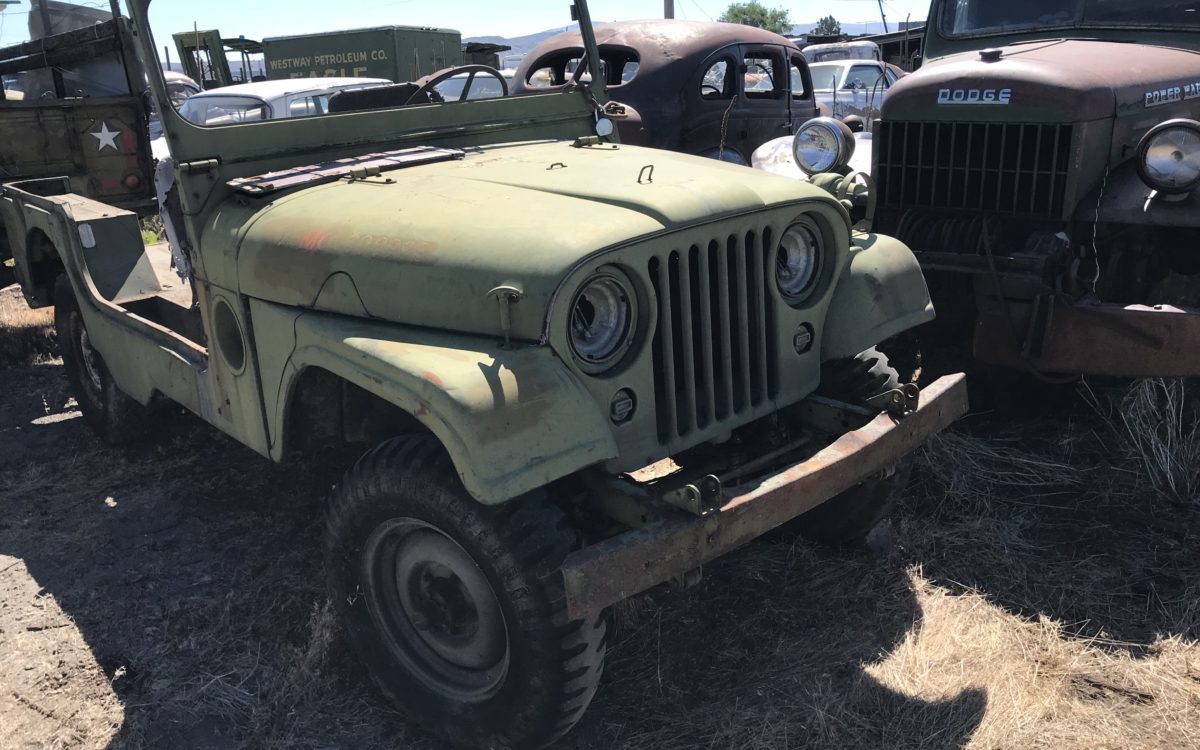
(881, 15)
(668, 8)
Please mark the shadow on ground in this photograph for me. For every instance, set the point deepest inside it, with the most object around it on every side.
(192, 569)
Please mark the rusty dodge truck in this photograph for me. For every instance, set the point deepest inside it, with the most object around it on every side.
(1044, 165)
(576, 369)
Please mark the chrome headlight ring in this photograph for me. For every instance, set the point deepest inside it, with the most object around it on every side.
(1168, 157)
(823, 144)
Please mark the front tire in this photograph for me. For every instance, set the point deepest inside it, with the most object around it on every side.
(457, 609)
(850, 517)
(113, 415)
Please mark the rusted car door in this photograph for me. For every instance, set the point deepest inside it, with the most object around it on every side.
(740, 97)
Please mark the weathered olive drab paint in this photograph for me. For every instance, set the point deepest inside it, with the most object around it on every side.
(384, 280)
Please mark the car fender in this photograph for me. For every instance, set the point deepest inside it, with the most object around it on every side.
(881, 293)
(512, 419)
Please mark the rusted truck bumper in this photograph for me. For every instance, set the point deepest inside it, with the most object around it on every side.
(1059, 336)
(605, 573)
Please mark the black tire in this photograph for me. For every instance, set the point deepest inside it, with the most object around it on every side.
(849, 517)
(113, 415)
(411, 560)
(856, 380)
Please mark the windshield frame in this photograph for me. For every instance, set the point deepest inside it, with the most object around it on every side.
(267, 145)
(942, 12)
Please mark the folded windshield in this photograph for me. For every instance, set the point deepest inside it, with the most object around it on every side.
(968, 17)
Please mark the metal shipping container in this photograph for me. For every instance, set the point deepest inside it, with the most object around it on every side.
(400, 53)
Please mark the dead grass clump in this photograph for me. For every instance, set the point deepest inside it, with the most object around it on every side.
(1043, 688)
(976, 470)
(25, 335)
(1158, 422)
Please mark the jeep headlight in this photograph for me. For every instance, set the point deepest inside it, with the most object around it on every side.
(601, 325)
(1168, 157)
(798, 262)
(823, 144)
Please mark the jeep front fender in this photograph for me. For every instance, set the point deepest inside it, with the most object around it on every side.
(512, 420)
(881, 293)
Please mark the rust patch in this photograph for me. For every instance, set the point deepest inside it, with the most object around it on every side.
(314, 240)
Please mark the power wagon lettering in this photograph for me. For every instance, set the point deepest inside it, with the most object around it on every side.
(1173, 94)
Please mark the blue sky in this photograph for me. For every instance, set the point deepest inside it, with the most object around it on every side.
(471, 17)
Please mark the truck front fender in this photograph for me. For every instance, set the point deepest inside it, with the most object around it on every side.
(881, 293)
(512, 419)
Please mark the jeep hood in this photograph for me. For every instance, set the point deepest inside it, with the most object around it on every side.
(1049, 81)
(424, 245)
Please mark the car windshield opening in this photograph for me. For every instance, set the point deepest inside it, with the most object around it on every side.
(825, 77)
(969, 17)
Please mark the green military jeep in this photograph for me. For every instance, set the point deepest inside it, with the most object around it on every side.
(578, 369)
(1044, 165)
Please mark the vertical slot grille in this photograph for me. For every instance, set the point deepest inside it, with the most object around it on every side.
(713, 344)
(1016, 169)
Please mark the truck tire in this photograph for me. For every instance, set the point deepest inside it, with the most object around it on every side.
(112, 414)
(457, 609)
(849, 517)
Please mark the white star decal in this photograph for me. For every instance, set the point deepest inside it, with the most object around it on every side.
(106, 137)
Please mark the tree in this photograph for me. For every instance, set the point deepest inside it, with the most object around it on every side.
(828, 26)
(754, 13)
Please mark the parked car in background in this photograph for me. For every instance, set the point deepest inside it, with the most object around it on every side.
(713, 89)
(262, 100)
(816, 53)
(854, 88)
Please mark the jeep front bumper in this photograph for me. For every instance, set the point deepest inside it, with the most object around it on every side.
(605, 573)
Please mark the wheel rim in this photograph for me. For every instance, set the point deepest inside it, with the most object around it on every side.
(436, 610)
(89, 359)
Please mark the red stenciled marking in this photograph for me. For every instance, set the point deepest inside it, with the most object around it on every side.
(432, 378)
(314, 240)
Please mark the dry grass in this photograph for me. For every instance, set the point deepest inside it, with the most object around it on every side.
(1158, 422)
(25, 335)
(1040, 593)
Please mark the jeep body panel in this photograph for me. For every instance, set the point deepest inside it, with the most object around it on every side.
(386, 237)
(512, 419)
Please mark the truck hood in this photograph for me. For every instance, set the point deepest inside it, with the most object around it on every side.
(1048, 81)
(425, 245)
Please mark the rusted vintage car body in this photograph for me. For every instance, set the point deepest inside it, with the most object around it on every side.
(1010, 164)
(675, 93)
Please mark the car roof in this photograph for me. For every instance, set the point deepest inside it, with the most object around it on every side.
(287, 87)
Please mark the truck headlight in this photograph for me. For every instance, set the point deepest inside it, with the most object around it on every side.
(602, 321)
(1168, 158)
(823, 144)
(798, 262)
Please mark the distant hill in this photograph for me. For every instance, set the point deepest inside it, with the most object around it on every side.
(520, 44)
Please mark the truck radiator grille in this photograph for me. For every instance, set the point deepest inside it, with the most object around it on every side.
(713, 345)
(1015, 169)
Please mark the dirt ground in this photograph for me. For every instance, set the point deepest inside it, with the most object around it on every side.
(1040, 589)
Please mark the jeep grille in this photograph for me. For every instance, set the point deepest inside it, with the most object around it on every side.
(712, 346)
(1015, 169)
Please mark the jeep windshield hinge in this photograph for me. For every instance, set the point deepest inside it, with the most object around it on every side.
(201, 166)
